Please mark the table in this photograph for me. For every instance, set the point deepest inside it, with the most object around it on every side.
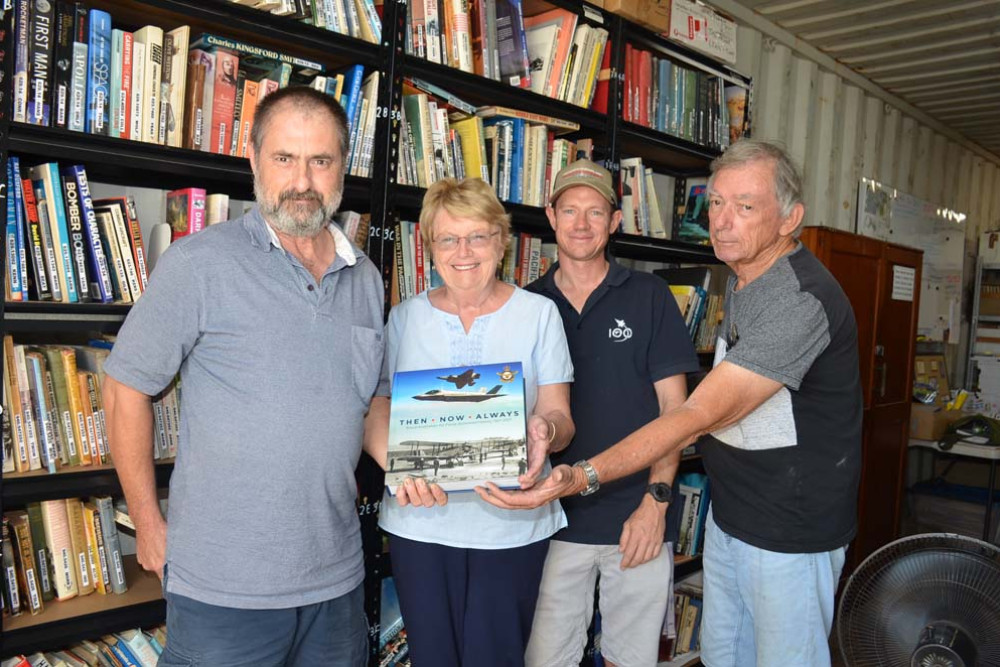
(974, 450)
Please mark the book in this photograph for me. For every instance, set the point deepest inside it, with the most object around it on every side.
(58, 537)
(62, 55)
(81, 550)
(515, 68)
(77, 120)
(40, 551)
(11, 591)
(97, 262)
(111, 542)
(40, 70)
(558, 125)
(27, 570)
(99, 73)
(445, 426)
(692, 225)
(75, 218)
(22, 25)
(151, 37)
(554, 29)
(185, 211)
(45, 177)
(175, 63)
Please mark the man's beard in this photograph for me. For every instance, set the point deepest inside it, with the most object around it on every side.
(281, 214)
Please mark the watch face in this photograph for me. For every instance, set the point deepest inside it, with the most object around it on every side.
(661, 492)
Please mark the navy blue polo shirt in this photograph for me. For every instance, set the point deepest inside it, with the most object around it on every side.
(629, 335)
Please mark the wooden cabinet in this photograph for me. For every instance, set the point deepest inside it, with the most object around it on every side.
(887, 327)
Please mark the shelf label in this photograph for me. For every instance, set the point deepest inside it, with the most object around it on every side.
(903, 279)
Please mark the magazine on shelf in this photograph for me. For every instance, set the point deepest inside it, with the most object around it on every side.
(458, 427)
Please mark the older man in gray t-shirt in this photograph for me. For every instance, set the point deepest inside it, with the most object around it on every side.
(274, 322)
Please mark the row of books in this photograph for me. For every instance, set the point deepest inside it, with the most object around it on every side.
(63, 245)
(681, 101)
(55, 550)
(695, 495)
(700, 298)
(688, 608)
(355, 18)
(525, 259)
(55, 411)
(642, 212)
(393, 648)
(129, 648)
(517, 152)
(163, 87)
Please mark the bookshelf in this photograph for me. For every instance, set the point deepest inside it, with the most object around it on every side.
(132, 163)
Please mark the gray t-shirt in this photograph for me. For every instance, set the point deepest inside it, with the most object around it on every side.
(785, 478)
(277, 373)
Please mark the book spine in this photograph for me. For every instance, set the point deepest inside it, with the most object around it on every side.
(178, 57)
(78, 82)
(77, 240)
(152, 38)
(138, 249)
(116, 265)
(14, 262)
(32, 418)
(122, 233)
(40, 51)
(97, 262)
(43, 560)
(138, 86)
(100, 428)
(78, 538)
(166, 65)
(234, 139)
(75, 406)
(57, 535)
(112, 543)
(59, 228)
(242, 48)
(193, 110)
(22, 28)
(99, 73)
(116, 115)
(11, 594)
(63, 60)
(102, 550)
(93, 560)
(88, 416)
(26, 561)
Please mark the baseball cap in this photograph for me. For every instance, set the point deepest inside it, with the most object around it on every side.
(584, 172)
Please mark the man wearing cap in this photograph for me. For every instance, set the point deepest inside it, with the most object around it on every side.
(631, 350)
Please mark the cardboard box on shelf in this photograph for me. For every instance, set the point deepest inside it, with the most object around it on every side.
(654, 14)
(930, 370)
(928, 422)
(701, 27)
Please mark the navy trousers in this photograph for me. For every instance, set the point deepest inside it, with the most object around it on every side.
(470, 607)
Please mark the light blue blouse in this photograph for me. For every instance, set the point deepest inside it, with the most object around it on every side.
(527, 329)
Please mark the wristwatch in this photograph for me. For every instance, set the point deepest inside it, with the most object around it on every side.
(661, 492)
(592, 482)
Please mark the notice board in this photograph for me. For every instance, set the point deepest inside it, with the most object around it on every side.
(889, 215)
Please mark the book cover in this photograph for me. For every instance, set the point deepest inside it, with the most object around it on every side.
(692, 227)
(185, 211)
(27, 570)
(42, 556)
(458, 427)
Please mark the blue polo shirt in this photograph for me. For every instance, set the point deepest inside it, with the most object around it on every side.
(277, 372)
(629, 335)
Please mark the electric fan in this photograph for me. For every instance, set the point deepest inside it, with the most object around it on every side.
(923, 601)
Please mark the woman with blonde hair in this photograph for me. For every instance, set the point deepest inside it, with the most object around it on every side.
(467, 573)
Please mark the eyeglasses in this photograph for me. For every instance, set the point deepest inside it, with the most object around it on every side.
(472, 240)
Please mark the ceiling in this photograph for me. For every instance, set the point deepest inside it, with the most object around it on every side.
(941, 56)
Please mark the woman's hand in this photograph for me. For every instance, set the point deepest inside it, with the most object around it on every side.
(416, 491)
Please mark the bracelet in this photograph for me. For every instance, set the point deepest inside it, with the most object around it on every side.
(552, 425)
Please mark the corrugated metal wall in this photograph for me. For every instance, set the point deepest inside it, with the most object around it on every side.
(838, 133)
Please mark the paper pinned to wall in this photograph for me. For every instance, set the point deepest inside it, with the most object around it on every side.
(889, 215)
(903, 278)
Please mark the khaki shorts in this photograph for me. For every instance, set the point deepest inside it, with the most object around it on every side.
(633, 603)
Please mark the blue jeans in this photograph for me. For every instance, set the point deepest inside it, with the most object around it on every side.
(332, 633)
(764, 608)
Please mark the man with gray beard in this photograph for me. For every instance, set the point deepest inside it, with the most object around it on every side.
(274, 322)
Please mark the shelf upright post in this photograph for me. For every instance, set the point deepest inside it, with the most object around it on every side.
(616, 96)
(381, 241)
(7, 43)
